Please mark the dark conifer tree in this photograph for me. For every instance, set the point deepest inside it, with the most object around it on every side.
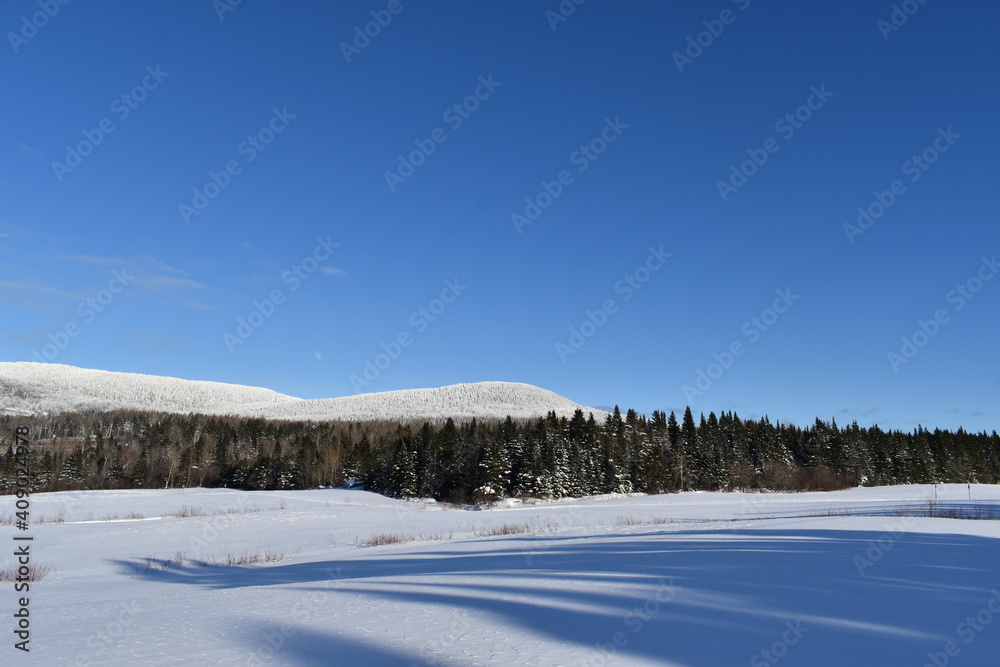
(686, 446)
(140, 473)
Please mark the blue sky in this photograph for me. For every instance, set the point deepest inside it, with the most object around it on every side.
(170, 167)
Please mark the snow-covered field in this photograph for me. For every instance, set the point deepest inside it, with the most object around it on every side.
(685, 579)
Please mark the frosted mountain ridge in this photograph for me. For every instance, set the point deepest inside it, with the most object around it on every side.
(30, 387)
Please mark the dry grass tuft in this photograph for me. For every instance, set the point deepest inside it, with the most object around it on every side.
(131, 516)
(383, 539)
(187, 511)
(628, 521)
(494, 530)
(36, 572)
(229, 559)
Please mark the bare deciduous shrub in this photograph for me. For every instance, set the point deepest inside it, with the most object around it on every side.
(59, 517)
(187, 511)
(742, 477)
(631, 520)
(36, 572)
(156, 564)
(820, 478)
(492, 530)
(382, 539)
(258, 556)
(436, 537)
(131, 516)
(778, 477)
(229, 559)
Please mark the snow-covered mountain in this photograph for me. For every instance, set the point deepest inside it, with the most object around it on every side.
(30, 387)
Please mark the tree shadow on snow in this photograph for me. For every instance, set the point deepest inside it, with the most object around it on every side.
(279, 643)
(816, 597)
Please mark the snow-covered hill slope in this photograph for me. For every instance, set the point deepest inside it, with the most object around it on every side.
(484, 400)
(30, 387)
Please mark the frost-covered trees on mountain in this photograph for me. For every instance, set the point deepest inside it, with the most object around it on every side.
(31, 388)
(485, 460)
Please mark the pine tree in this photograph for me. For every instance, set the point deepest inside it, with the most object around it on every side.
(74, 469)
(405, 479)
(445, 464)
(116, 470)
(686, 446)
(493, 472)
(140, 473)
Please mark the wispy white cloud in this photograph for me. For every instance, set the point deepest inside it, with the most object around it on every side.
(95, 260)
(37, 295)
(860, 412)
(161, 284)
(163, 266)
(197, 305)
(144, 263)
(334, 271)
(968, 413)
(31, 287)
(150, 276)
(32, 153)
(19, 337)
(159, 340)
(8, 229)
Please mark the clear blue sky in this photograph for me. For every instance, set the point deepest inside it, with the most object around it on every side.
(308, 129)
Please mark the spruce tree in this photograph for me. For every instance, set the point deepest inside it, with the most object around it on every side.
(686, 446)
(140, 473)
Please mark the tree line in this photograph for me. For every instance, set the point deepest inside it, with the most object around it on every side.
(481, 461)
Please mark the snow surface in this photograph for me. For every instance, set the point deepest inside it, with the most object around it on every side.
(693, 579)
(30, 387)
